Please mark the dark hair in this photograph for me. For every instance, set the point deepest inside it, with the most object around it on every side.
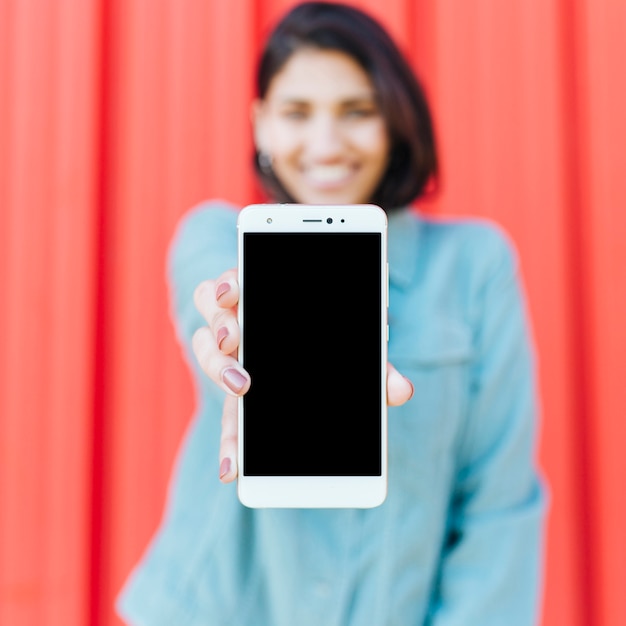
(335, 26)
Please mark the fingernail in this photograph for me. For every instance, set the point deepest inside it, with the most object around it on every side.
(225, 467)
(221, 289)
(222, 333)
(234, 379)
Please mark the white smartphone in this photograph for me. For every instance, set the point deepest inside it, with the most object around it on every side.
(313, 319)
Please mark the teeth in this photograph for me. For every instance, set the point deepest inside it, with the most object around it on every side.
(328, 173)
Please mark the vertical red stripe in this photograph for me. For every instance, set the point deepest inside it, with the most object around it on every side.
(601, 30)
(573, 119)
(104, 85)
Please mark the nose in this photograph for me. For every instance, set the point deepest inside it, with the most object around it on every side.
(324, 139)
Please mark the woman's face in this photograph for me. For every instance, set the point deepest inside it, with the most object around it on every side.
(322, 128)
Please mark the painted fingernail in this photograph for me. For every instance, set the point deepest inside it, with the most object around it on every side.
(225, 467)
(234, 379)
(222, 333)
(221, 289)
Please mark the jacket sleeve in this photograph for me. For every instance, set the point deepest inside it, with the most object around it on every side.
(492, 560)
(204, 246)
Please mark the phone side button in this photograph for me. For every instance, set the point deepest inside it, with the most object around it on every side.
(387, 285)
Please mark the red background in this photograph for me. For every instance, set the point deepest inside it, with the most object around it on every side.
(117, 115)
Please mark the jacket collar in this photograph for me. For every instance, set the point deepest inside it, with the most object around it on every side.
(402, 242)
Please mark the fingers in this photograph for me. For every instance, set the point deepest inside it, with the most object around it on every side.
(228, 442)
(399, 388)
(215, 346)
(217, 301)
(221, 368)
(224, 291)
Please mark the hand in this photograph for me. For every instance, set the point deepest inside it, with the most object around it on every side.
(215, 347)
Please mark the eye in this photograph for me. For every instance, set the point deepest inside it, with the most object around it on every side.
(360, 112)
(294, 114)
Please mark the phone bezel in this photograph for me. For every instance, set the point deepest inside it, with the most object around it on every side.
(316, 491)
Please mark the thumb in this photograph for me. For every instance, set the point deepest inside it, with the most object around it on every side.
(399, 388)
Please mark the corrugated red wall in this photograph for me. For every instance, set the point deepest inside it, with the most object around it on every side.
(118, 115)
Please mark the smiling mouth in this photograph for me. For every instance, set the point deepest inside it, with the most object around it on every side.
(328, 175)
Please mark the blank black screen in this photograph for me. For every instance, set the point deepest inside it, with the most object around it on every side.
(312, 346)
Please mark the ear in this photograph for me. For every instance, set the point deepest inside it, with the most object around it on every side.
(259, 125)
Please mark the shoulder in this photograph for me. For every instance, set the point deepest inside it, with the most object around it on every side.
(474, 237)
(474, 248)
(443, 251)
(209, 217)
(204, 242)
(212, 222)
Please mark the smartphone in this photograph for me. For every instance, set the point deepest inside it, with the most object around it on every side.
(313, 318)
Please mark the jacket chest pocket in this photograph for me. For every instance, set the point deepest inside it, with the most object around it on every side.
(435, 355)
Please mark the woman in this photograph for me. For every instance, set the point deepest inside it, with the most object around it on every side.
(340, 118)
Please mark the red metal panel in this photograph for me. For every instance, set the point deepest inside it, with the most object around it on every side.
(48, 64)
(94, 396)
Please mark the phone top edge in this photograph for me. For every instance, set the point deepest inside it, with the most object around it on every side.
(328, 217)
(299, 205)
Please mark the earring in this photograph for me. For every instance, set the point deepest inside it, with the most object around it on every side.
(265, 162)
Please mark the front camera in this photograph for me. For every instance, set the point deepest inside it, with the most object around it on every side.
(329, 220)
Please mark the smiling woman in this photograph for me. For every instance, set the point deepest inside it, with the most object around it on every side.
(350, 93)
(340, 118)
(327, 144)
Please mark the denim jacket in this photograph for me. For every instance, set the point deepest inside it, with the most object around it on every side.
(459, 539)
